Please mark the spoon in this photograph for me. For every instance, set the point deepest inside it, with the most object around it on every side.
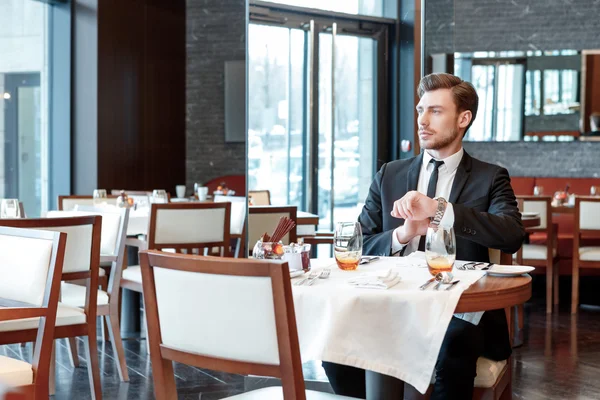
(443, 279)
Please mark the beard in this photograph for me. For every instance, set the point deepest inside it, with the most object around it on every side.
(438, 141)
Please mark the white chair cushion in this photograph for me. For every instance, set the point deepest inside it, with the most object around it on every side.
(276, 392)
(102, 271)
(488, 372)
(24, 266)
(591, 253)
(66, 315)
(15, 372)
(536, 252)
(74, 295)
(133, 273)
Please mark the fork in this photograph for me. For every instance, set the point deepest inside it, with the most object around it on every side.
(325, 273)
(312, 275)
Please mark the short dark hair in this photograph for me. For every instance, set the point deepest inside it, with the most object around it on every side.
(464, 94)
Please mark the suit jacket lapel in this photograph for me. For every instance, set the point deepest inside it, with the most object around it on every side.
(413, 173)
(462, 175)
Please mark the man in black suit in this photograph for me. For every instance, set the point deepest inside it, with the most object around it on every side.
(443, 186)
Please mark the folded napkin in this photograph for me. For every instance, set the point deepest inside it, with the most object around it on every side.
(376, 282)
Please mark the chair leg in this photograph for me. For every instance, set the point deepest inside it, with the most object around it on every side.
(507, 393)
(549, 282)
(73, 351)
(52, 372)
(556, 279)
(117, 344)
(91, 350)
(575, 289)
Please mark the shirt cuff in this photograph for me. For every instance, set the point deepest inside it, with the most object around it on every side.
(396, 245)
(448, 218)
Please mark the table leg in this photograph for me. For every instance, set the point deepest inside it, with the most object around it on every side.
(383, 387)
(130, 304)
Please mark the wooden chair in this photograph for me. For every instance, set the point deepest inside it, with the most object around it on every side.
(586, 221)
(263, 219)
(82, 254)
(260, 197)
(31, 264)
(184, 227)
(237, 230)
(181, 292)
(537, 255)
(112, 246)
(69, 203)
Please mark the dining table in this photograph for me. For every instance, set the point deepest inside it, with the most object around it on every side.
(395, 332)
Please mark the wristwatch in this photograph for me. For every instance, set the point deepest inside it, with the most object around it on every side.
(439, 213)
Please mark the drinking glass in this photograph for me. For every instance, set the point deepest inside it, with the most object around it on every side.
(348, 244)
(9, 208)
(538, 190)
(440, 251)
(159, 196)
(594, 191)
(99, 196)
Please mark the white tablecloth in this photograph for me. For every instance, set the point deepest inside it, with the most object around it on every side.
(138, 222)
(397, 332)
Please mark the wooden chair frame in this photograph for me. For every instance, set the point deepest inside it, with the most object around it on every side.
(290, 368)
(551, 241)
(44, 334)
(86, 329)
(110, 311)
(577, 263)
(181, 247)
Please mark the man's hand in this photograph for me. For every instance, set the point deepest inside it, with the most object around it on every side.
(410, 229)
(414, 206)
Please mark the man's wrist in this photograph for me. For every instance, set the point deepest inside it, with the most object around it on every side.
(400, 235)
(433, 206)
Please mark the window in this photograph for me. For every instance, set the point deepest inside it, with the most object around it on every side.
(24, 103)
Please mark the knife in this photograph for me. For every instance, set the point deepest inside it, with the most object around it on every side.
(452, 284)
(426, 284)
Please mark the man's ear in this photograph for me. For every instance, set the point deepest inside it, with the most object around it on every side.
(464, 119)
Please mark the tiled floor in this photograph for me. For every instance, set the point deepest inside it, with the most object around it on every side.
(559, 360)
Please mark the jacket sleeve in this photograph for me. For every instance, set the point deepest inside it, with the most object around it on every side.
(498, 228)
(375, 240)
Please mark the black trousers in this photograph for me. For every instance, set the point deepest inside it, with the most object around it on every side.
(455, 369)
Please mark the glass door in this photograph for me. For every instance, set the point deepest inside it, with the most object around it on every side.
(347, 126)
(276, 113)
(313, 110)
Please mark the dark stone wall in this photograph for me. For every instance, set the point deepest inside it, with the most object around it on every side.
(541, 159)
(216, 33)
(494, 25)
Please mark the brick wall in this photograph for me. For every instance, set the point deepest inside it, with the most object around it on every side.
(493, 25)
(540, 159)
(216, 32)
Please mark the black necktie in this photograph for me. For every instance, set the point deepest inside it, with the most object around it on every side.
(433, 179)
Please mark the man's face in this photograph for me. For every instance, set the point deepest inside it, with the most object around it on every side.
(439, 121)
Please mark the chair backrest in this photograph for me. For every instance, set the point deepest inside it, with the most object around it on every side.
(189, 226)
(68, 203)
(250, 306)
(239, 205)
(260, 197)
(31, 269)
(587, 213)
(538, 204)
(82, 249)
(265, 219)
(112, 241)
(499, 257)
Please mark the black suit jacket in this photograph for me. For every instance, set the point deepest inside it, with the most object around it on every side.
(485, 216)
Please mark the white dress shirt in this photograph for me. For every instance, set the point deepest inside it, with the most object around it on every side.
(446, 174)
